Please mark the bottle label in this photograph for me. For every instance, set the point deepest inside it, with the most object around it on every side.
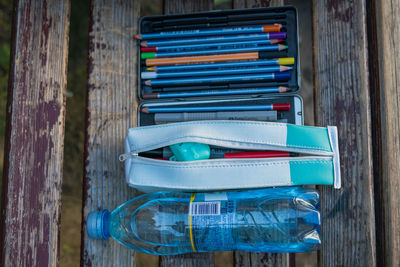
(205, 208)
(212, 223)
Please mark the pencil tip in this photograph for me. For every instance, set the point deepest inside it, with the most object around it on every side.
(282, 47)
(144, 43)
(144, 110)
(148, 82)
(150, 96)
(138, 37)
(154, 68)
(274, 41)
(284, 68)
(283, 89)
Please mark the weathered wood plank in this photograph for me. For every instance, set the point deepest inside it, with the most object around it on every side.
(342, 99)
(198, 259)
(184, 6)
(259, 259)
(388, 55)
(35, 133)
(111, 110)
(258, 3)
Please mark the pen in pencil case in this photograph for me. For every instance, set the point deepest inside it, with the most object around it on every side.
(150, 55)
(207, 58)
(233, 64)
(219, 45)
(280, 107)
(220, 79)
(242, 91)
(213, 19)
(271, 115)
(215, 39)
(155, 75)
(246, 23)
(209, 32)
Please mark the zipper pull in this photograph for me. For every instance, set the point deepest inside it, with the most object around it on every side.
(125, 156)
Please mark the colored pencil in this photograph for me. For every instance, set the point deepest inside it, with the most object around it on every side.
(209, 32)
(189, 67)
(151, 55)
(206, 58)
(220, 79)
(188, 88)
(166, 153)
(215, 39)
(280, 107)
(155, 75)
(216, 86)
(256, 154)
(271, 115)
(243, 91)
(219, 45)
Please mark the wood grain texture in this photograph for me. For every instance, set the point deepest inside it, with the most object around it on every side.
(111, 110)
(258, 3)
(342, 99)
(388, 38)
(243, 259)
(198, 259)
(35, 133)
(187, 6)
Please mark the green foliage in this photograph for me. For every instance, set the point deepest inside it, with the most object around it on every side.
(74, 134)
(5, 38)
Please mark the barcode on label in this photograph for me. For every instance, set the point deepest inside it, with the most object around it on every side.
(205, 208)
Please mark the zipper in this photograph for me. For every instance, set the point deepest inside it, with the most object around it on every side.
(126, 156)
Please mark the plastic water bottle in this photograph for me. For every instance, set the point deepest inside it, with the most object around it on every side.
(169, 223)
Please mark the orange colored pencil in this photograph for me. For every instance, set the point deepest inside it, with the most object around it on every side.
(201, 59)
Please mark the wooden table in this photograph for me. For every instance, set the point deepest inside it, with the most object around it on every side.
(356, 55)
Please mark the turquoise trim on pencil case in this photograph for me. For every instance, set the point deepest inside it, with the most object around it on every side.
(319, 172)
(308, 137)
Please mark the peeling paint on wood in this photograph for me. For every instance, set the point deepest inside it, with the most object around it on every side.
(35, 133)
(111, 110)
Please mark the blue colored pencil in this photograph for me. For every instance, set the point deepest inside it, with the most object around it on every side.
(232, 64)
(155, 75)
(209, 32)
(149, 55)
(215, 39)
(281, 107)
(220, 79)
(219, 45)
(241, 91)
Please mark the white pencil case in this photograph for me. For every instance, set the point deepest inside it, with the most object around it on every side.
(320, 164)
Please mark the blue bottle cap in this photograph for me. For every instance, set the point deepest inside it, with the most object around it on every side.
(96, 224)
(284, 75)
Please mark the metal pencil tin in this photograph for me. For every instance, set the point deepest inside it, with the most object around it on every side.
(286, 16)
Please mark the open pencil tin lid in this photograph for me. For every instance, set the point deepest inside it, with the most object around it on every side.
(286, 16)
